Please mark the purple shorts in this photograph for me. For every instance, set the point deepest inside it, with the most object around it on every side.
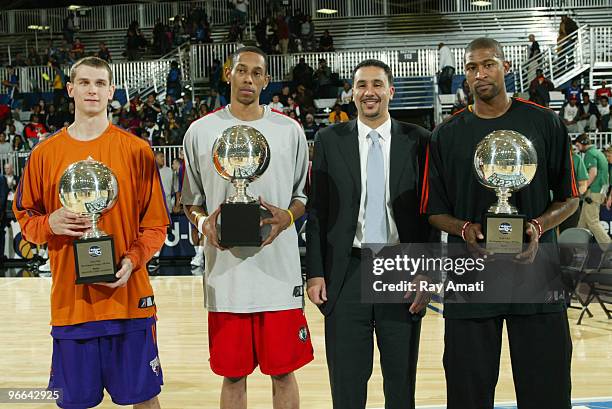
(126, 365)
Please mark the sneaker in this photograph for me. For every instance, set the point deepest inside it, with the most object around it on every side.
(45, 267)
(197, 260)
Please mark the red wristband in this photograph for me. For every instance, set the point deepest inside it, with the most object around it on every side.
(538, 225)
(463, 228)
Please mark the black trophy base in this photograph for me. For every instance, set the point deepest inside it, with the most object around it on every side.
(504, 233)
(240, 225)
(95, 260)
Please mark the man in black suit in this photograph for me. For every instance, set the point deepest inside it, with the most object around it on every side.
(352, 203)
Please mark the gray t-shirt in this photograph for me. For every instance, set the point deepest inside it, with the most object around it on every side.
(165, 174)
(250, 279)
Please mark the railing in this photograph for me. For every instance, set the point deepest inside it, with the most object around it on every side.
(202, 56)
(450, 6)
(601, 44)
(121, 15)
(569, 55)
(342, 62)
(133, 75)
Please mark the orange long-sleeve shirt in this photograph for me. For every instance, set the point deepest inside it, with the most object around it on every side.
(137, 222)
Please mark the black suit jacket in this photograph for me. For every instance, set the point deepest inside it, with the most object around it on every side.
(333, 206)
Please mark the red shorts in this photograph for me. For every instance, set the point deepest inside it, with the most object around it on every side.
(277, 341)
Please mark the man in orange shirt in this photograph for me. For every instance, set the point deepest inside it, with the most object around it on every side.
(103, 334)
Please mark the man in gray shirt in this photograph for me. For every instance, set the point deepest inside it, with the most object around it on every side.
(165, 174)
(254, 295)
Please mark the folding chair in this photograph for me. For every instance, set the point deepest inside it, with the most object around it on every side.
(599, 282)
(574, 246)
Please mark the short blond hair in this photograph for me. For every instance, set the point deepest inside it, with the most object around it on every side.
(94, 62)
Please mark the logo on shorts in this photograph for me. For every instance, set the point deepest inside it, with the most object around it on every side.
(95, 251)
(155, 366)
(505, 228)
(303, 334)
(146, 302)
(298, 291)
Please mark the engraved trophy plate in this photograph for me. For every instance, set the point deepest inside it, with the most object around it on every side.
(90, 188)
(505, 161)
(241, 154)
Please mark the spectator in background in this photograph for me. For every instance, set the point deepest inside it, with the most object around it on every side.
(604, 114)
(11, 133)
(294, 116)
(177, 180)
(539, 89)
(69, 28)
(282, 33)
(12, 85)
(307, 33)
(5, 147)
(322, 79)
(169, 105)
(174, 81)
(153, 133)
(303, 74)
(19, 145)
(310, 127)
(447, 69)
(69, 114)
(338, 115)
(186, 104)
(135, 42)
(59, 84)
(78, 49)
(11, 179)
(33, 57)
(589, 115)
(275, 103)
(570, 115)
(54, 119)
(165, 174)
(215, 100)
(534, 47)
(574, 90)
(603, 90)
(104, 52)
(203, 110)
(285, 95)
(16, 123)
(202, 33)
(304, 98)
(235, 32)
(34, 131)
(240, 11)
(566, 28)
(462, 96)
(346, 99)
(292, 106)
(151, 109)
(598, 183)
(326, 42)
(215, 74)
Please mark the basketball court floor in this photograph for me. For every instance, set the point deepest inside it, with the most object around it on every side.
(25, 353)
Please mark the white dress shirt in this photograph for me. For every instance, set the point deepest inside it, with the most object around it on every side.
(446, 57)
(364, 146)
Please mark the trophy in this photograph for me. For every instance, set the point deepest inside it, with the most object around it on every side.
(241, 154)
(89, 188)
(506, 162)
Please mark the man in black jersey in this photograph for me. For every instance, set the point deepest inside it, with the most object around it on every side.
(540, 343)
